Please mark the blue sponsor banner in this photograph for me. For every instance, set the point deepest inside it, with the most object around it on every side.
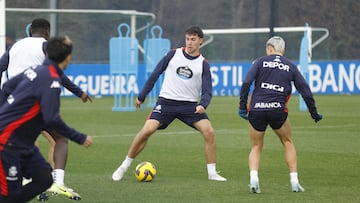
(335, 77)
(227, 78)
(325, 77)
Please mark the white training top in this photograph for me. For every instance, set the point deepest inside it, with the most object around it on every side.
(29, 50)
(183, 78)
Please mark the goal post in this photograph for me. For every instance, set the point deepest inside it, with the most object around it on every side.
(75, 23)
(132, 13)
(212, 32)
(307, 42)
(246, 44)
(2, 26)
(305, 60)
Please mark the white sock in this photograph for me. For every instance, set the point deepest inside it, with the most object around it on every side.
(294, 177)
(126, 163)
(254, 176)
(211, 168)
(58, 176)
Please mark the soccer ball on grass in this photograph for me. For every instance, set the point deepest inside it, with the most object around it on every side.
(145, 171)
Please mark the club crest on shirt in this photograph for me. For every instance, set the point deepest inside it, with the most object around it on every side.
(12, 174)
(184, 72)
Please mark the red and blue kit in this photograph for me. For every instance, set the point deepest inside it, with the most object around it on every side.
(274, 75)
(30, 103)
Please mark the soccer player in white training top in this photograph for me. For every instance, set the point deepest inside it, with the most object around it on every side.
(187, 77)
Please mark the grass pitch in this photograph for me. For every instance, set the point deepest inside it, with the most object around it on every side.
(328, 155)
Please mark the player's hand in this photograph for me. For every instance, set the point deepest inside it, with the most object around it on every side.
(199, 109)
(317, 117)
(243, 113)
(138, 103)
(85, 97)
(88, 142)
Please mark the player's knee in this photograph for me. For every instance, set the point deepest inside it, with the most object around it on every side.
(144, 137)
(209, 133)
(209, 138)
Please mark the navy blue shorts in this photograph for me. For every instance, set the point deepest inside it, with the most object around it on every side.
(165, 111)
(16, 164)
(261, 119)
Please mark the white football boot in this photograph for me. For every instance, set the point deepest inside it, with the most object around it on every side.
(118, 174)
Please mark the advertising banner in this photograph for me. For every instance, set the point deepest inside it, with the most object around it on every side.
(325, 77)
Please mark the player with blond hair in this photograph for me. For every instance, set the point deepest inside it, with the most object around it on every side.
(273, 76)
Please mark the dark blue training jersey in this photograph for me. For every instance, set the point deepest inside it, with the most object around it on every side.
(273, 76)
(30, 103)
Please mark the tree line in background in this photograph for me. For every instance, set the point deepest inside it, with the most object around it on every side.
(341, 17)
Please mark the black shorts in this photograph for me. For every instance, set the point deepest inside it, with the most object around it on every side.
(165, 111)
(16, 164)
(260, 119)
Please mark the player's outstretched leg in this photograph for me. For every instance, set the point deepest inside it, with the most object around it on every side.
(40, 181)
(60, 159)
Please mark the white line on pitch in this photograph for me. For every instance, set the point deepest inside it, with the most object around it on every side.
(221, 131)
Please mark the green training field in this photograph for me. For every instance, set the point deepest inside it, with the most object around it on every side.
(328, 153)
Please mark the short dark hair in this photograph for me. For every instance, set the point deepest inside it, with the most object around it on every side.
(39, 25)
(195, 30)
(58, 48)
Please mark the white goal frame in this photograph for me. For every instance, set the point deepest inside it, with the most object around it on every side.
(2, 27)
(211, 32)
(132, 13)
